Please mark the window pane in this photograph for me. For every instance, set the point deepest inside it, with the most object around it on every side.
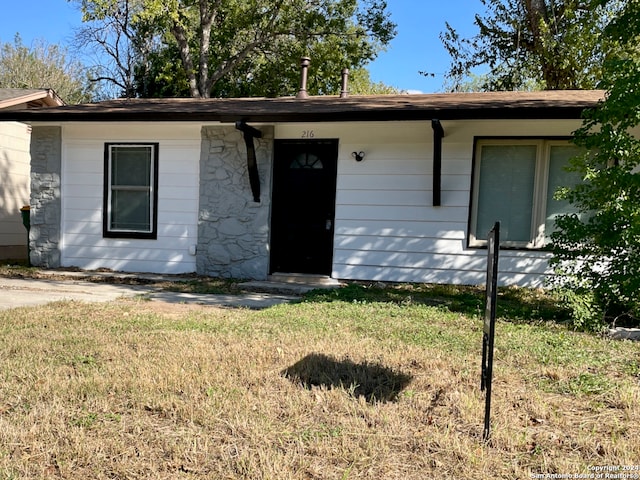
(507, 174)
(130, 210)
(306, 160)
(558, 177)
(131, 166)
(130, 187)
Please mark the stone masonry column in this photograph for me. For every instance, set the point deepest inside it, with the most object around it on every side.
(46, 203)
(233, 230)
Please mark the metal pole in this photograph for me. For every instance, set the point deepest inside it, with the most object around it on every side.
(493, 249)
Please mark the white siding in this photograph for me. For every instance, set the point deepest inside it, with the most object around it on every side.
(14, 187)
(82, 242)
(386, 227)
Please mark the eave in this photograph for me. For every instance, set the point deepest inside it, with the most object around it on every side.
(32, 98)
(452, 106)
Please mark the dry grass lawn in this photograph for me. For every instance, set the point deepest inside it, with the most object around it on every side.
(313, 390)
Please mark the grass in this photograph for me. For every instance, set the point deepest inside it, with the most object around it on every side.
(516, 304)
(362, 383)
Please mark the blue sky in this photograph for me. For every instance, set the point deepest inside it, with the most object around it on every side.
(416, 47)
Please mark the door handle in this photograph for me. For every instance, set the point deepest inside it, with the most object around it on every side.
(328, 224)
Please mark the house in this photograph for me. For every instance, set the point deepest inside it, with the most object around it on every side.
(389, 188)
(14, 167)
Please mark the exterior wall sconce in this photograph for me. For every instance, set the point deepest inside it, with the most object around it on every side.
(359, 156)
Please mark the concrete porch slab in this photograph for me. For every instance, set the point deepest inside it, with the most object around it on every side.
(291, 283)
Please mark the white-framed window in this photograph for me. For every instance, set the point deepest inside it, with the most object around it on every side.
(514, 182)
(131, 190)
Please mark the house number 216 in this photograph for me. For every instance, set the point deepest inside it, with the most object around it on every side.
(308, 134)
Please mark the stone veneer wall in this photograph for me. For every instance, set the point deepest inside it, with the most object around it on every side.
(233, 230)
(46, 203)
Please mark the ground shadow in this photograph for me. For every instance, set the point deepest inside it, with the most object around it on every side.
(515, 304)
(374, 382)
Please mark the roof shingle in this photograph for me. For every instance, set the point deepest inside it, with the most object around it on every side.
(445, 106)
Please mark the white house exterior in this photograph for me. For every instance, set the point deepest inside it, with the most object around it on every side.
(191, 207)
(14, 188)
(15, 183)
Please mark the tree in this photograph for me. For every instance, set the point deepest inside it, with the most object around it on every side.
(44, 66)
(597, 251)
(531, 44)
(118, 42)
(360, 84)
(163, 76)
(247, 47)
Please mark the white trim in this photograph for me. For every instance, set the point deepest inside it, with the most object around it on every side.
(536, 232)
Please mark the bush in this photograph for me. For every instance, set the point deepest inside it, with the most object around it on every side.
(596, 250)
(586, 311)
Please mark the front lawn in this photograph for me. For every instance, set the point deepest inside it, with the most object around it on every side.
(365, 383)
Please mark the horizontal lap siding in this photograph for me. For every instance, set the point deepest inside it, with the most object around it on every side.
(83, 161)
(386, 227)
(15, 184)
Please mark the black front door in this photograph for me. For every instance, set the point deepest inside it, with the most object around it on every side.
(302, 216)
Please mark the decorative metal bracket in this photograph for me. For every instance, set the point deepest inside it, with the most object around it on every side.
(438, 134)
(252, 165)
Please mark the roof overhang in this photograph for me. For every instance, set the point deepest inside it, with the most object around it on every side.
(448, 106)
(30, 98)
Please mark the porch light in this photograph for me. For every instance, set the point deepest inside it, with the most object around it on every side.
(359, 156)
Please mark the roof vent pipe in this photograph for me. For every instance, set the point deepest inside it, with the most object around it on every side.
(344, 92)
(304, 64)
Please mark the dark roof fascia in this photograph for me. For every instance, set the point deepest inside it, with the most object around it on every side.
(323, 109)
(425, 115)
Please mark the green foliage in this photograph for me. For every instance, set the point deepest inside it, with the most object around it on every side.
(116, 39)
(228, 48)
(596, 250)
(163, 76)
(44, 66)
(546, 44)
(586, 313)
(360, 84)
(582, 385)
(518, 305)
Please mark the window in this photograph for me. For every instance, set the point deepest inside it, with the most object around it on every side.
(131, 190)
(306, 160)
(514, 182)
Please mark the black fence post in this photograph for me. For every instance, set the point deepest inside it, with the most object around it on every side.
(493, 249)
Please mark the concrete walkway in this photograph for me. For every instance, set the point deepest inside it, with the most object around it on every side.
(31, 292)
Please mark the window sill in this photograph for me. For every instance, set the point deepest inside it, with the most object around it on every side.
(131, 235)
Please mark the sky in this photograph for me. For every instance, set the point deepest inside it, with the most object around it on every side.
(416, 47)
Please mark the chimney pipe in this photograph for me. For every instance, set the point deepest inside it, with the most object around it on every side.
(304, 63)
(344, 92)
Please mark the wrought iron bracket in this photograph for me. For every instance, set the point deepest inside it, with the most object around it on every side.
(438, 135)
(249, 134)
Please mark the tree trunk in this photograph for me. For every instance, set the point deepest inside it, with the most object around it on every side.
(207, 13)
(537, 15)
(185, 55)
